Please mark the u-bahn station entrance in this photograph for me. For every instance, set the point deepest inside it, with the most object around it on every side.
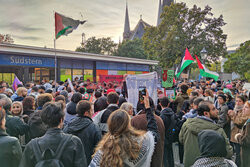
(36, 64)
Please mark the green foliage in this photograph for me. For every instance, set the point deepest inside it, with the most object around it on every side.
(182, 28)
(6, 38)
(133, 49)
(239, 61)
(215, 67)
(98, 46)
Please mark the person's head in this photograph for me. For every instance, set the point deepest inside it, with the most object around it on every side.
(34, 89)
(240, 100)
(17, 108)
(222, 99)
(246, 109)
(197, 102)
(52, 115)
(208, 92)
(113, 98)
(6, 104)
(81, 90)
(2, 89)
(194, 94)
(22, 92)
(60, 98)
(186, 106)
(207, 109)
(164, 102)
(8, 92)
(76, 97)
(44, 98)
(2, 118)
(83, 108)
(41, 89)
(127, 107)
(184, 88)
(64, 93)
(211, 144)
(98, 94)
(28, 103)
(120, 140)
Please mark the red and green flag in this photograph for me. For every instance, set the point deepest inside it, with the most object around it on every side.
(185, 62)
(206, 72)
(65, 25)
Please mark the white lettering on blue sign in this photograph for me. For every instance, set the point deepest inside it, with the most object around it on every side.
(25, 60)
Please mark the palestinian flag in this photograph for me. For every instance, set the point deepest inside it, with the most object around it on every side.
(65, 25)
(206, 72)
(186, 61)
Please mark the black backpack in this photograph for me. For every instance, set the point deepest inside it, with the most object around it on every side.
(49, 158)
(172, 129)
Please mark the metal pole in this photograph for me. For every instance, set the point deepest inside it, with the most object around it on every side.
(55, 61)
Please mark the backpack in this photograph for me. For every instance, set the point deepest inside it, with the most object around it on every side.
(172, 129)
(49, 158)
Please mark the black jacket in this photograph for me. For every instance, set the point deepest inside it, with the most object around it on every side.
(73, 154)
(10, 150)
(87, 131)
(166, 117)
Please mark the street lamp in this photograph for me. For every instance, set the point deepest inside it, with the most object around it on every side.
(203, 55)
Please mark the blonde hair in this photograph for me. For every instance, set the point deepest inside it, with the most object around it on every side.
(21, 107)
(120, 142)
(20, 90)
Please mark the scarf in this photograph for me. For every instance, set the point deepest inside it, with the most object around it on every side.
(238, 108)
(213, 161)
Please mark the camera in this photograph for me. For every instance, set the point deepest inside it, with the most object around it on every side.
(142, 92)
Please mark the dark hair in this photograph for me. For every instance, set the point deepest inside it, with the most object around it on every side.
(43, 98)
(243, 98)
(194, 93)
(52, 114)
(113, 98)
(90, 90)
(192, 100)
(28, 103)
(81, 90)
(27, 85)
(35, 88)
(223, 97)
(76, 97)
(59, 97)
(82, 107)
(186, 106)
(98, 94)
(42, 87)
(198, 100)
(184, 88)
(204, 107)
(164, 101)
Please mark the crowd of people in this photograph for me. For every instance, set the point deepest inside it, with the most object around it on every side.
(82, 124)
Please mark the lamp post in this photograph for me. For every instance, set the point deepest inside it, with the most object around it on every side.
(203, 55)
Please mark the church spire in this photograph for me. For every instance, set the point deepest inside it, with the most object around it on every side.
(126, 25)
(159, 13)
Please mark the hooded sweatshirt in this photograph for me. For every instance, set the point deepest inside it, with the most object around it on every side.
(212, 146)
(189, 137)
(87, 131)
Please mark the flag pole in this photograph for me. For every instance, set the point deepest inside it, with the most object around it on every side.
(55, 60)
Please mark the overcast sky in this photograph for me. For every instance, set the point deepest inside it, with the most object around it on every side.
(31, 22)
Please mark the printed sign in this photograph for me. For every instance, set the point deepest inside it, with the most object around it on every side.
(167, 78)
(148, 80)
(111, 78)
(170, 94)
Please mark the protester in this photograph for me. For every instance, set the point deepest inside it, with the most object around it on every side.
(140, 122)
(207, 114)
(21, 94)
(122, 145)
(128, 107)
(10, 152)
(28, 105)
(102, 117)
(209, 95)
(181, 97)
(238, 120)
(83, 127)
(223, 119)
(54, 142)
(168, 117)
(17, 109)
(71, 108)
(212, 146)
(244, 137)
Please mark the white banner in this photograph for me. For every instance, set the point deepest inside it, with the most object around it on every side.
(112, 72)
(148, 80)
(71, 85)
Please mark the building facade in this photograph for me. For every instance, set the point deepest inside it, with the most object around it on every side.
(37, 64)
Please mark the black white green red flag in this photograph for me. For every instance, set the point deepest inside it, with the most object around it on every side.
(65, 25)
(185, 62)
(206, 72)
